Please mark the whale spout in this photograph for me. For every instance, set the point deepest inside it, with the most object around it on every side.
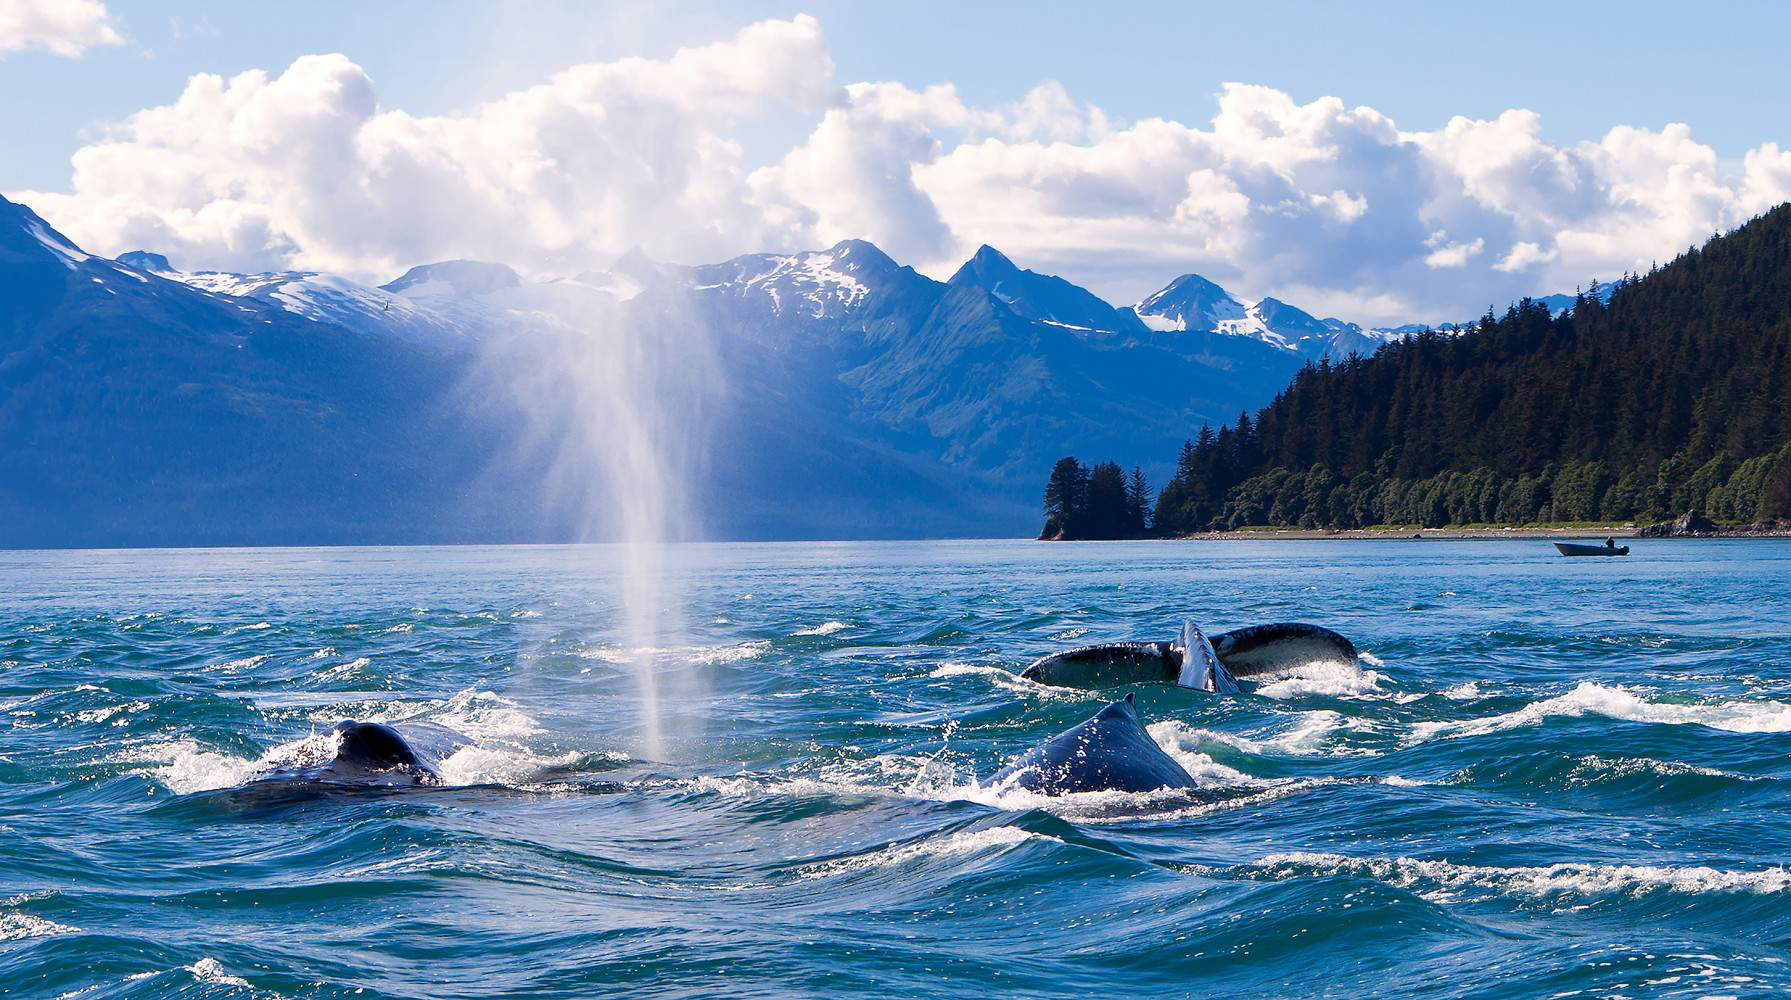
(1110, 752)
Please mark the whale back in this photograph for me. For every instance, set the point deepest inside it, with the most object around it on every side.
(1110, 752)
(375, 755)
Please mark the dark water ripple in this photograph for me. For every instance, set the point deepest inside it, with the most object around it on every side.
(1546, 778)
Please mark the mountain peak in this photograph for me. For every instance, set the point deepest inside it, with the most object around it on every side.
(466, 277)
(26, 238)
(987, 269)
(143, 260)
(1042, 298)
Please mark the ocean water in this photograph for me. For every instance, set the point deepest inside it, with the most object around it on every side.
(1544, 778)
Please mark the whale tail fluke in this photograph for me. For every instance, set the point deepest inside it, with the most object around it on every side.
(1108, 665)
(1281, 646)
(1201, 666)
(1193, 660)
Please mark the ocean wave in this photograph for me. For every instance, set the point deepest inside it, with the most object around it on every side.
(185, 767)
(1007, 680)
(1311, 734)
(826, 628)
(693, 655)
(1591, 698)
(1443, 880)
(15, 926)
(210, 970)
(930, 849)
(499, 757)
(1324, 679)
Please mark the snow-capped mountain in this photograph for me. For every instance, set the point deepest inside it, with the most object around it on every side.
(851, 396)
(821, 284)
(1043, 298)
(325, 298)
(1191, 303)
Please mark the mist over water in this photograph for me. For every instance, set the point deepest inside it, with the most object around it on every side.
(1542, 778)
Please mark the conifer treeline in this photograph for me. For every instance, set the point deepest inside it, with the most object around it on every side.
(1101, 502)
(1671, 396)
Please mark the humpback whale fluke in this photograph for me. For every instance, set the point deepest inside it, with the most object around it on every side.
(1193, 660)
(1110, 752)
(375, 754)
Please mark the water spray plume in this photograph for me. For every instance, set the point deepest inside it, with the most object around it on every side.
(620, 408)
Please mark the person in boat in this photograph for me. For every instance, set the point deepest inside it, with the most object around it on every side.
(1610, 543)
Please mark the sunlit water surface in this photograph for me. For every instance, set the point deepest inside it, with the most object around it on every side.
(1545, 777)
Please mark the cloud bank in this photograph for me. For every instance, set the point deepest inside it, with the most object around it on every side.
(65, 27)
(1329, 206)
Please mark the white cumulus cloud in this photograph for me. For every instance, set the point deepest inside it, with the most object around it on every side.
(65, 27)
(1323, 204)
(305, 169)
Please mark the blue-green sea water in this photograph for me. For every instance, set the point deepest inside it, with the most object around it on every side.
(1544, 777)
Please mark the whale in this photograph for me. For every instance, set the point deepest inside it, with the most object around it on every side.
(372, 754)
(1111, 752)
(1193, 660)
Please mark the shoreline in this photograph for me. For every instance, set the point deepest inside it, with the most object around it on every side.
(1622, 531)
(1416, 534)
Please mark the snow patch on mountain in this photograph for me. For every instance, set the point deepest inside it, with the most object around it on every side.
(1191, 303)
(822, 284)
(56, 243)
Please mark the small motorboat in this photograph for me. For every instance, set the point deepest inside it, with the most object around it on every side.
(1609, 548)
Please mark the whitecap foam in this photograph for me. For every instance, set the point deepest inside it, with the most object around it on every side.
(1007, 680)
(1590, 698)
(1324, 678)
(1216, 790)
(108, 714)
(1162, 804)
(482, 715)
(1370, 659)
(492, 766)
(486, 716)
(16, 926)
(694, 655)
(184, 766)
(826, 628)
(1307, 734)
(246, 663)
(210, 970)
(1439, 880)
(344, 669)
(931, 849)
(1463, 692)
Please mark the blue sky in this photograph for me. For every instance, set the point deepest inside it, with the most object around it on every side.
(1584, 70)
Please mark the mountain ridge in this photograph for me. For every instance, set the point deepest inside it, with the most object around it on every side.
(842, 394)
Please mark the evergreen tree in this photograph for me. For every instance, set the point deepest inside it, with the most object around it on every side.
(1673, 394)
(1138, 502)
(1107, 515)
(1066, 499)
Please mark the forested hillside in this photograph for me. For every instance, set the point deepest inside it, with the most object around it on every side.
(1671, 396)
